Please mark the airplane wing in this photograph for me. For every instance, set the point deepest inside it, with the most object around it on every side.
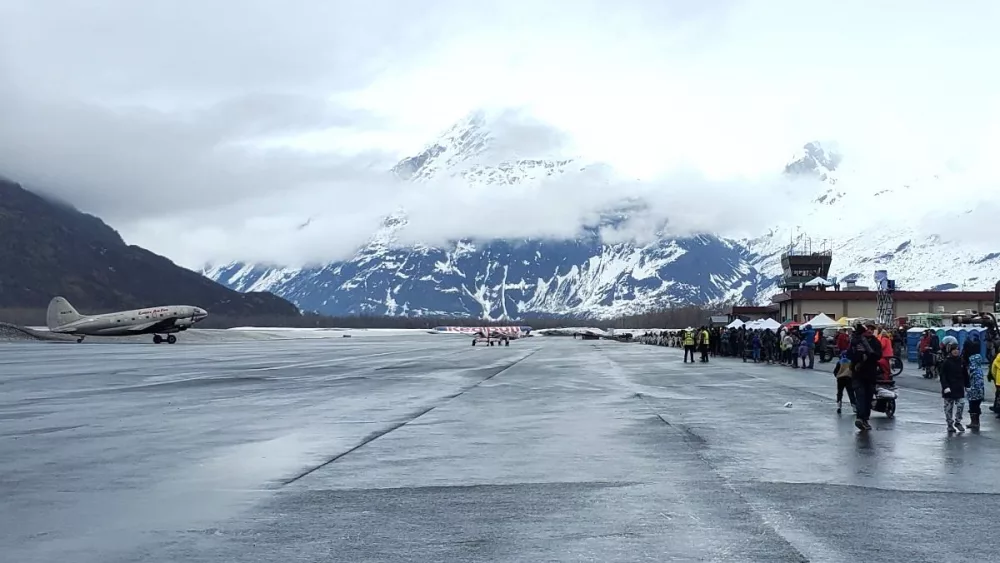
(153, 326)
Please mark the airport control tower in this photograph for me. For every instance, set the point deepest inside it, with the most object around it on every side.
(803, 262)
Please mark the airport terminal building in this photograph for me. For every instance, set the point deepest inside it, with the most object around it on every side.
(802, 305)
(806, 292)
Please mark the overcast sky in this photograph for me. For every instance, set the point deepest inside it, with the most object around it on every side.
(211, 130)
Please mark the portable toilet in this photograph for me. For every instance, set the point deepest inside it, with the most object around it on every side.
(941, 333)
(980, 335)
(961, 333)
(913, 337)
(954, 332)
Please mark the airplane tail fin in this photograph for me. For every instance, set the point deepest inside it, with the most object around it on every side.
(60, 313)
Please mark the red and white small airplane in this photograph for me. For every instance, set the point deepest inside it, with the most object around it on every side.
(501, 335)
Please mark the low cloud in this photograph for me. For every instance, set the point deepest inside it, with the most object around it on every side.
(138, 162)
(516, 134)
(195, 186)
(267, 133)
(969, 221)
(330, 222)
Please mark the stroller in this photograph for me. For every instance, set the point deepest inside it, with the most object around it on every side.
(885, 395)
(885, 398)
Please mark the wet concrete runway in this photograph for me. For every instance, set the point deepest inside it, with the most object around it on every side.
(424, 448)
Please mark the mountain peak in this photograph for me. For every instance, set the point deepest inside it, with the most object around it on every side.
(815, 160)
(465, 140)
(487, 144)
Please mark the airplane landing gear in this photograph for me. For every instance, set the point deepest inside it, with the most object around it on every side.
(79, 340)
(157, 339)
(171, 339)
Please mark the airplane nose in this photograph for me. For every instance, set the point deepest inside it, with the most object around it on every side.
(200, 313)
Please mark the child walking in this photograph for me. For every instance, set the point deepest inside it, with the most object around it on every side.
(975, 382)
(842, 371)
(803, 353)
(954, 379)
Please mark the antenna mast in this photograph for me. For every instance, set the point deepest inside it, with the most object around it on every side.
(885, 305)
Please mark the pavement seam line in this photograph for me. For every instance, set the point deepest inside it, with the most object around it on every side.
(407, 420)
(690, 440)
(364, 442)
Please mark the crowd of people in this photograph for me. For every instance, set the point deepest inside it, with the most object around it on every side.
(864, 354)
(963, 370)
(796, 346)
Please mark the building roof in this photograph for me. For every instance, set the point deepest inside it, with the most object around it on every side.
(813, 295)
(753, 310)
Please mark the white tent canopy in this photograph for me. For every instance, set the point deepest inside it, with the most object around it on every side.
(762, 324)
(817, 282)
(822, 321)
(770, 323)
(735, 324)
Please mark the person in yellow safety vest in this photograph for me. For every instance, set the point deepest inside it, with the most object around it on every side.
(703, 339)
(688, 339)
(994, 376)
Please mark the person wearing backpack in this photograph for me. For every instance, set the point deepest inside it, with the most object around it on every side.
(842, 372)
(865, 354)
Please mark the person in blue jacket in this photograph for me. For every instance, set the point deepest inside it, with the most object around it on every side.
(809, 338)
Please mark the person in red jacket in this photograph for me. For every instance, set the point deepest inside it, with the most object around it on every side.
(928, 354)
(925, 341)
(887, 353)
(843, 341)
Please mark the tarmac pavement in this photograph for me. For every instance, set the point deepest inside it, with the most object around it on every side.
(424, 448)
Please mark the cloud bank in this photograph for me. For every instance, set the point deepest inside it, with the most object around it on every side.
(209, 134)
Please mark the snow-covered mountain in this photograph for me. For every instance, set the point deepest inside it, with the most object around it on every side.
(585, 276)
(469, 150)
(508, 279)
(505, 278)
(874, 228)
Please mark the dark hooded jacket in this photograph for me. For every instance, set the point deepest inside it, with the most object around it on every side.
(865, 352)
(954, 377)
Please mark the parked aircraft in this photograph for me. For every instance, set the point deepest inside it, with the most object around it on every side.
(158, 321)
(512, 332)
(499, 335)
